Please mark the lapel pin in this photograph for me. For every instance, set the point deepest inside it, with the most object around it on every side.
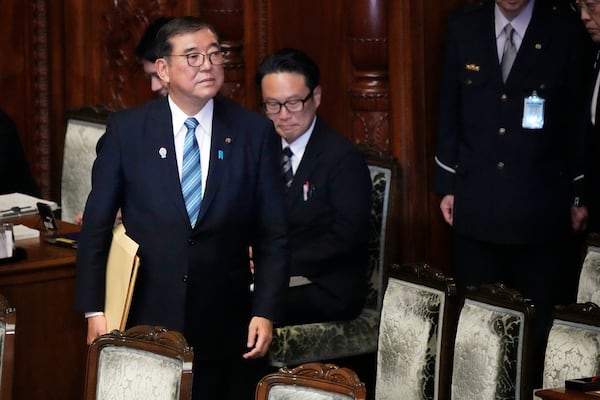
(538, 46)
(220, 154)
(472, 67)
(162, 152)
(228, 140)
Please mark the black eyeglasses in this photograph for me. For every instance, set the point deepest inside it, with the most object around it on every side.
(293, 106)
(587, 5)
(197, 59)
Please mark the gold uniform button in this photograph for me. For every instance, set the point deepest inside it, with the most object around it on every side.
(504, 97)
(500, 165)
(501, 131)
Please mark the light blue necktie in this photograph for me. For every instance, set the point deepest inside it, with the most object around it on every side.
(191, 178)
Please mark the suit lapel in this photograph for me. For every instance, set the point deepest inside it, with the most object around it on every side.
(310, 161)
(160, 136)
(222, 140)
(530, 50)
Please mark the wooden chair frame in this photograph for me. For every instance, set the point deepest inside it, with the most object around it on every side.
(425, 275)
(327, 377)
(497, 294)
(8, 314)
(147, 338)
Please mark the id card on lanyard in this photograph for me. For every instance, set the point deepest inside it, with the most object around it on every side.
(533, 112)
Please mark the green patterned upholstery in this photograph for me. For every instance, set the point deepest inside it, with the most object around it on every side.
(296, 344)
(417, 321)
(493, 346)
(573, 346)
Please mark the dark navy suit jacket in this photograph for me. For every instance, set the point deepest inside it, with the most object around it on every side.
(328, 228)
(511, 184)
(195, 280)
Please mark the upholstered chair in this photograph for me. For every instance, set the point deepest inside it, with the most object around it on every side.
(84, 128)
(492, 350)
(415, 334)
(332, 340)
(311, 381)
(589, 279)
(144, 362)
(573, 346)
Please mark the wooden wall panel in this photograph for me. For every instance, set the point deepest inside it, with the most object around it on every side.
(318, 28)
(65, 54)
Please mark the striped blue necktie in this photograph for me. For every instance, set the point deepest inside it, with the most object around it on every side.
(191, 178)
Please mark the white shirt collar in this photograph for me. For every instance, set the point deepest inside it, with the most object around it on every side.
(519, 23)
(204, 116)
(299, 145)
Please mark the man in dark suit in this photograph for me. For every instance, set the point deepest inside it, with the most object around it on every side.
(328, 195)
(589, 12)
(14, 169)
(508, 158)
(194, 275)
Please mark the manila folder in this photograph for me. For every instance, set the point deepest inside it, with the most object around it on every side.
(121, 272)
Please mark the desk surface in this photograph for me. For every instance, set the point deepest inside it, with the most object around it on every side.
(566, 394)
(39, 254)
(50, 348)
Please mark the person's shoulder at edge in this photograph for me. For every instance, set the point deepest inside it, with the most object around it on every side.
(223, 103)
(148, 107)
(472, 9)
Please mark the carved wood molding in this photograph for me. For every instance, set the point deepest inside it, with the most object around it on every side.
(41, 126)
(125, 23)
(369, 90)
(228, 19)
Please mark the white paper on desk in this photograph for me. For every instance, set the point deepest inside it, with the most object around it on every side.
(121, 273)
(27, 204)
(21, 232)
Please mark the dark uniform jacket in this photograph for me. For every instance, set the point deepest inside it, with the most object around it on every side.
(511, 184)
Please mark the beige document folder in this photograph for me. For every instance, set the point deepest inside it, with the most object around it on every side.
(121, 272)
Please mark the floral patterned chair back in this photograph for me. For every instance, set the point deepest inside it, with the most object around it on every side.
(297, 344)
(415, 334)
(589, 279)
(144, 362)
(8, 319)
(573, 346)
(492, 349)
(311, 381)
(84, 128)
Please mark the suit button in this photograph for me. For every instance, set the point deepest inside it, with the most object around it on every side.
(501, 131)
(192, 242)
(185, 278)
(504, 97)
(500, 165)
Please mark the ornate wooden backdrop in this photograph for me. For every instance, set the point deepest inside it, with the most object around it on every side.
(380, 62)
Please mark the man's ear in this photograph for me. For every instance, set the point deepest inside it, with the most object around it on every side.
(162, 69)
(317, 95)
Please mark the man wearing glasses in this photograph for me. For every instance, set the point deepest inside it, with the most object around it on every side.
(328, 194)
(509, 149)
(197, 179)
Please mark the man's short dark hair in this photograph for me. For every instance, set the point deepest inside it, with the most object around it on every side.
(146, 47)
(179, 26)
(290, 60)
